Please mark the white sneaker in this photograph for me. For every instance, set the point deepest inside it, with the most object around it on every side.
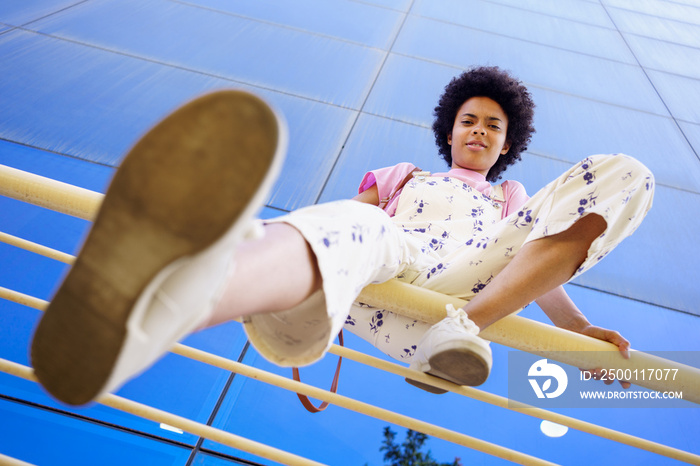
(159, 252)
(452, 350)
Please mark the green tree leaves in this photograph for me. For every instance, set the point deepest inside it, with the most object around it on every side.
(409, 452)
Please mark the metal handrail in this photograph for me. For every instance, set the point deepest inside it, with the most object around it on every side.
(170, 419)
(408, 300)
(470, 392)
(51, 194)
(535, 337)
(401, 298)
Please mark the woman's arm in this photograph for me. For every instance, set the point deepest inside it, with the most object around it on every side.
(369, 196)
(563, 313)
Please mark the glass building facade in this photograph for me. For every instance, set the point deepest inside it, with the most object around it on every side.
(357, 81)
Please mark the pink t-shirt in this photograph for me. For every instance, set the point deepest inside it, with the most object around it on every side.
(388, 178)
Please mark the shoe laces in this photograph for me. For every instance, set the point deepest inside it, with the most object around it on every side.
(459, 318)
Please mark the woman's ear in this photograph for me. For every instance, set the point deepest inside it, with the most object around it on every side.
(449, 138)
(506, 148)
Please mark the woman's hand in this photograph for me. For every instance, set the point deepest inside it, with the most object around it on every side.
(610, 336)
(564, 314)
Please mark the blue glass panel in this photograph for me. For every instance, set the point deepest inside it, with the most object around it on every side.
(677, 93)
(175, 384)
(400, 5)
(185, 387)
(92, 176)
(275, 416)
(80, 101)
(663, 9)
(408, 89)
(379, 142)
(43, 437)
(94, 105)
(556, 69)
(535, 171)
(531, 26)
(30, 273)
(629, 317)
(584, 12)
(666, 271)
(647, 327)
(20, 12)
(89, 103)
(268, 212)
(659, 263)
(204, 459)
(664, 56)
(687, 2)
(21, 269)
(343, 19)
(570, 128)
(692, 132)
(317, 134)
(256, 53)
(658, 28)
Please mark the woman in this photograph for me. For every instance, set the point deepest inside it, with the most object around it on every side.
(158, 265)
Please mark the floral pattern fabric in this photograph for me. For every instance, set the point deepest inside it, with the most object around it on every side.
(445, 236)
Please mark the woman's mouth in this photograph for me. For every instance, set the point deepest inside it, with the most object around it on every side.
(476, 145)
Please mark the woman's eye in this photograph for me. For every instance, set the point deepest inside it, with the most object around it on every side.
(495, 127)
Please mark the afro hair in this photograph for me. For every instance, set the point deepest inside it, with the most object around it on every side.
(507, 91)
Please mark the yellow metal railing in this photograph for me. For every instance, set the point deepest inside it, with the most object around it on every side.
(513, 331)
(535, 337)
(52, 194)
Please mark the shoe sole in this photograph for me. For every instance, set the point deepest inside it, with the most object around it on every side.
(459, 365)
(179, 190)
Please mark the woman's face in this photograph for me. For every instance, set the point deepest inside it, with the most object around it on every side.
(478, 135)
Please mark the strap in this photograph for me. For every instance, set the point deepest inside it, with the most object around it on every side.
(497, 193)
(385, 202)
(334, 386)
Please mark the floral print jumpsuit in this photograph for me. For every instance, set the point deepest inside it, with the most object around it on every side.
(445, 236)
